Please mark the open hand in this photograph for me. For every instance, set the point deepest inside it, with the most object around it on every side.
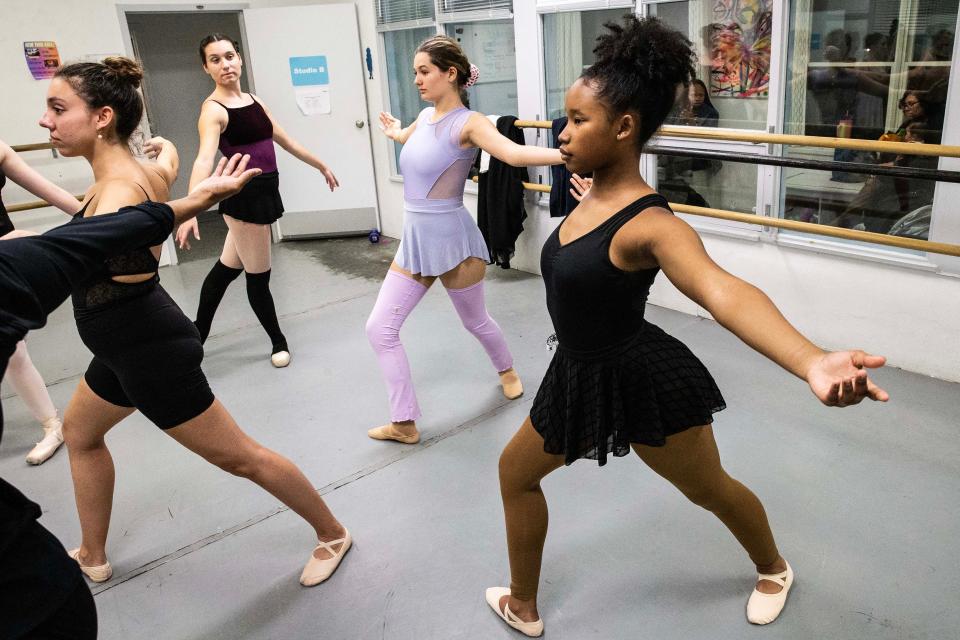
(839, 378)
(580, 187)
(227, 179)
(389, 125)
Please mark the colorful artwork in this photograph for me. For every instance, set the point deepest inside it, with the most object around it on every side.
(42, 58)
(740, 37)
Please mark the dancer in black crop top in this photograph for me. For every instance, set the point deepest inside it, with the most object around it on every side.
(147, 354)
(237, 122)
(616, 381)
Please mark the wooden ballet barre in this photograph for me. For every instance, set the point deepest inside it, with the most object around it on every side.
(36, 204)
(39, 146)
(902, 148)
(805, 227)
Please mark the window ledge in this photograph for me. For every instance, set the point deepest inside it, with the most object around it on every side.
(889, 257)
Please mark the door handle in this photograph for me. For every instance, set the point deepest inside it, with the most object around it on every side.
(359, 124)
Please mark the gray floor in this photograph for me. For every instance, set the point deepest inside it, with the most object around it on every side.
(864, 500)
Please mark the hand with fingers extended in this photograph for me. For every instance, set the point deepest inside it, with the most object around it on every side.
(580, 186)
(839, 378)
(390, 126)
(227, 179)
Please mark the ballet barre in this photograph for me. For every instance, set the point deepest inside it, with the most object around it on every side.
(39, 146)
(805, 227)
(35, 204)
(708, 133)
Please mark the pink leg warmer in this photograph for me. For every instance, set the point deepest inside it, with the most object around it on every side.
(399, 294)
(472, 309)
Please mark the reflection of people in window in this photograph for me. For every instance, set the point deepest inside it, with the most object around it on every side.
(700, 112)
(885, 199)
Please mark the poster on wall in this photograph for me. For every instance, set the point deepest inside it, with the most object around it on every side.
(42, 58)
(740, 38)
(311, 84)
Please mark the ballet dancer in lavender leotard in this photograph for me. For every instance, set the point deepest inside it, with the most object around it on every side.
(440, 239)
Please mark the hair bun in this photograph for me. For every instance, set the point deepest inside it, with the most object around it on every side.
(125, 69)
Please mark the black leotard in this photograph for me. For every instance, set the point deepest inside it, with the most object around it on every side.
(615, 379)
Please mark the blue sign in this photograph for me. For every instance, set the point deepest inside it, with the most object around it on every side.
(307, 71)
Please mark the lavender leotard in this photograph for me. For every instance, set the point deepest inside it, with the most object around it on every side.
(438, 231)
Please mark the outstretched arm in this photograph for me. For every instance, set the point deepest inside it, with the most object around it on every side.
(480, 132)
(298, 151)
(28, 178)
(213, 119)
(837, 379)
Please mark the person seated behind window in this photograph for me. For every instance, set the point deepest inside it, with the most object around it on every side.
(884, 199)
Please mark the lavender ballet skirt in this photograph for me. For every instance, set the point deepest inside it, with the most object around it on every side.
(437, 236)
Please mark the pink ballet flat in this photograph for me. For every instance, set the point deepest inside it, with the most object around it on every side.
(316, 571)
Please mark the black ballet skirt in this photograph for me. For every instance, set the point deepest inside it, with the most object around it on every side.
(258, 202)
(615, 379)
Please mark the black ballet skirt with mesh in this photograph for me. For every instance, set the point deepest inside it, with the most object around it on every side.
(615, 378)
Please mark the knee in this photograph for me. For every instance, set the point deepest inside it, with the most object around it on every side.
(381, 335)
(512, 480)
(76, 439)
(18, 361)
(712, 496)
(246, 464)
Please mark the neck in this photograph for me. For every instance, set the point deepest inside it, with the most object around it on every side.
(108, 158)
(447, 103)
(618, 176)
(231, 90)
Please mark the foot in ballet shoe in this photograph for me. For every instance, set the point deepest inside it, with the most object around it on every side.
(52, 439)
(763, 608)
(390, 432)
(280, 359)
(99, 573)
(512, 387)
(494, 596)
(319, 569)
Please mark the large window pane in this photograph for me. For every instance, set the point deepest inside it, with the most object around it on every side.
(398, 48)
(733, 43)
(490, 46)
(869, 69)
(708, 183)
(568, 42)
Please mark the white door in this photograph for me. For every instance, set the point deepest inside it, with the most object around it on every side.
(306, 65)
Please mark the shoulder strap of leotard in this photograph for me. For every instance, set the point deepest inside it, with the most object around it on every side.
(218, 102)
(632, 210)
(79, 214)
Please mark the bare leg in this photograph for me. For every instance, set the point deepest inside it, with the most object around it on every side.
(523, 464)
(86, 421)
(215, 436)
(690, 461)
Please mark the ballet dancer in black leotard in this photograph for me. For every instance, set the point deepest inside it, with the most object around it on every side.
(147, 354)
(236, 122)
(617, 383)
(42, 590)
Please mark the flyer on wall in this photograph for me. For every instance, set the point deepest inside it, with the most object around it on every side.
(42, 58)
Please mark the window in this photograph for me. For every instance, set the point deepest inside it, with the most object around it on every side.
(484, 29)
(568, 42)
(733, 43)
(867, 69)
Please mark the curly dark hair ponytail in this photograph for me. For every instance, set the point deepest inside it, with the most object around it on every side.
(640, 64)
